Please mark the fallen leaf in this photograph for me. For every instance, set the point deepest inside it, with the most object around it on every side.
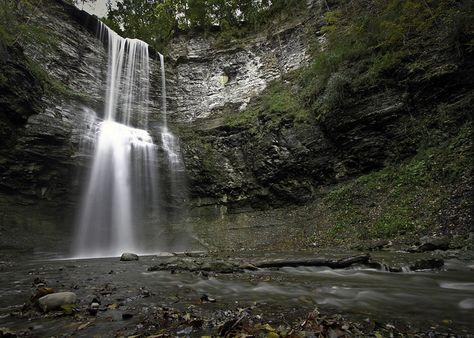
(113, 306)
(68, 309)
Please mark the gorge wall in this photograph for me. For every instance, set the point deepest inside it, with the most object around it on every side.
(54, 77)
(262, 171)
(383, 150)
(206, 75)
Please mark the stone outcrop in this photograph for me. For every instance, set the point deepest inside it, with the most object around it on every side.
(53, 82)
(275, 160)
(205, 75)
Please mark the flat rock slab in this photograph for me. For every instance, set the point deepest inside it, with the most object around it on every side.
(231, 266)
(331, 263)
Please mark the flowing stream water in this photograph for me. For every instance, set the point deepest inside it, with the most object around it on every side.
(441, 299)
(122, 188)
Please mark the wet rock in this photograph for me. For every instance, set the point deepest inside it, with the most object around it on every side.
(145, 293)
(178, 265)
(157, 267)
(127, 315)
(427, 264)
(206, 299)
(41, 123)
(7, 333)
(332, 263)
(39, 282)
(128, 256)
(437, 243)
(432, 243)
(55, 301)
(247, 266)
(93, 308)
(186, 331)
(165, 254)
(195, 253)
(219, 267)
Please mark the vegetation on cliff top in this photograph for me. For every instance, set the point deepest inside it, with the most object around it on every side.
(383, 43)
(156, 21)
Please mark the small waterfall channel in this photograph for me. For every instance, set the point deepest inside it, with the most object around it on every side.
(122, 187)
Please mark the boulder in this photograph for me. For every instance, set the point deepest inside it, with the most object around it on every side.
(55, 301)
(433, 243)
(128, 256)
(427, 264)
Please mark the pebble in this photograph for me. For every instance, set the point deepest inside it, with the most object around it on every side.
(94, 307)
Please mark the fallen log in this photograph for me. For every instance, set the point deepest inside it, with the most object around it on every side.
(331, 263)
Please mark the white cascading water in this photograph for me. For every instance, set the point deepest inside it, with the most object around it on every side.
(122, 185)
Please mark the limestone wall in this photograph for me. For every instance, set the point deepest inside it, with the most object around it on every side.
(204, 77)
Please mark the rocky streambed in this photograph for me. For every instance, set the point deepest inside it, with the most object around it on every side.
(241, 294)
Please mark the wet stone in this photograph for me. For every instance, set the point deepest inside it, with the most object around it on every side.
(55, 301)
(127, 315)
(432, 244)
(93, 308)
(427, 264)
(128, 256)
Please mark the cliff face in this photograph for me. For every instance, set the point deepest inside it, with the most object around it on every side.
(387, 156)
(247, 146)
(50, 82)
(206, 75)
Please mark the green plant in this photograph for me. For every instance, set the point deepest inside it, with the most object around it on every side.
(403, 197)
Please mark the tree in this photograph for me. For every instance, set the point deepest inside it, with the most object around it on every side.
(155, 20)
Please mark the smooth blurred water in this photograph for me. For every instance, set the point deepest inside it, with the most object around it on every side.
(121, 198)
(419, 299)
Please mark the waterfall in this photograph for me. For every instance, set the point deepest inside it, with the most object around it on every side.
(122, 187)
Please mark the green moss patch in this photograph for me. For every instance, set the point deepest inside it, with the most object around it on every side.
(401, 198)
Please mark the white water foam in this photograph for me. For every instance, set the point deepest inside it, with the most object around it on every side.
(122, 186)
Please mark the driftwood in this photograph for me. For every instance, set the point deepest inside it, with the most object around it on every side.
(331, 263)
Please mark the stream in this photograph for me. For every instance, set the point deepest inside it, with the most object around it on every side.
(427, 299)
